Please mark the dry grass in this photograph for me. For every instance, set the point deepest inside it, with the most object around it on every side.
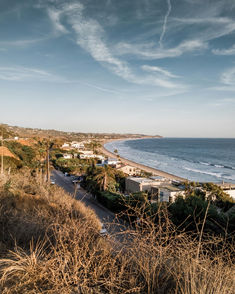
(6, 152)
(50, 243)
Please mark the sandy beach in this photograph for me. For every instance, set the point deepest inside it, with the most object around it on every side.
(145, 168)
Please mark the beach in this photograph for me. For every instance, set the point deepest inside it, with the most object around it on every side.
(145, 168)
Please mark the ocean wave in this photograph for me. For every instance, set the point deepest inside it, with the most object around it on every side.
(198, 167)
(218, 175)
(204, 163)
(217, 165)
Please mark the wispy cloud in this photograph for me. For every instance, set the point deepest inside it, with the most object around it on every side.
(204, 27)
(101, 88)
(226, 82)
(228, 77)
(223, 102)
(159, 70)
(165, 22)
(21, 74)
(228, 51)
(91, 36)
(55, 18)
(21, 43)
(149, 51)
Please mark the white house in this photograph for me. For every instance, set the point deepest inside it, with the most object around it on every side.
(67, 156)
(228, 188)
(169, 193)
(129, 170)
(87, 152)
(65, 145)
(77, 145)
(88, 156)
(112, 161)
(134, 184)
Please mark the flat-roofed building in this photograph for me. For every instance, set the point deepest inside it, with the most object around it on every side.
(129, 170)
(67, 156)
(168, 193)
(134, 184)
(86, 152)
(228, 188)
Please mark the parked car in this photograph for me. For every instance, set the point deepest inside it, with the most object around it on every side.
(103, 231)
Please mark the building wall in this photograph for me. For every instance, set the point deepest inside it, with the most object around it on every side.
(168, 196)
(129, 170)
(231, 193)
(132, 186)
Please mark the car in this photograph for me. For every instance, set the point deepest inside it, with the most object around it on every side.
(75, 181)
(52, 182)
(103, 231)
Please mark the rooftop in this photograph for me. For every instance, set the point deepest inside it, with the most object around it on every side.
(140, 180)
(171, 188)
(226, 186)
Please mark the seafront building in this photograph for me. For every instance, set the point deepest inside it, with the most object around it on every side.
(228, 188)
(140, 184)
(129, 170)
(159, 188)
(169, 193)
(67, 156)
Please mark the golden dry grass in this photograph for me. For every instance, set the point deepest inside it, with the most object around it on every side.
(6, 152)
(50, 243)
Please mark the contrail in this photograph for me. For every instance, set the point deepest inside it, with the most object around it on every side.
(165, 22)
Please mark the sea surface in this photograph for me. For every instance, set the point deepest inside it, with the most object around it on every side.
(200, 160)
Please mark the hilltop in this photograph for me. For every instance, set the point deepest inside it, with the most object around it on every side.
(44, 133)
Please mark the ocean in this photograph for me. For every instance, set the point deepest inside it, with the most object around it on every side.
(200, 160)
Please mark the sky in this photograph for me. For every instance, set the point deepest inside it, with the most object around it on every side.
(129, 66)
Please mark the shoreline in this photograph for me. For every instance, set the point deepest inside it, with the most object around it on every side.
(154, 171)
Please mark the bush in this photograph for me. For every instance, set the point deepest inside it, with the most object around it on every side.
(50, 243)
(112, 201)
(25, 153)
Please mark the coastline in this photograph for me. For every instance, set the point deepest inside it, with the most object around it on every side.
(154, 171)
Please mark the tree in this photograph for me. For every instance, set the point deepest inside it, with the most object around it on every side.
(104, 177)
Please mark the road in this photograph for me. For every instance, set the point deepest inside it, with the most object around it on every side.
(108, 218)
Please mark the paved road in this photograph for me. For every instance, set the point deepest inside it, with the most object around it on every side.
(108, 218)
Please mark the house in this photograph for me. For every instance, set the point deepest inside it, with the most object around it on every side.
(140, 184)
(169, 193)
(65, 145)
(111, 161)
(161, 179)
(86, 152)
(88, 156)
(77, 145)
(129, 170)
(228, 188)
(67, 156)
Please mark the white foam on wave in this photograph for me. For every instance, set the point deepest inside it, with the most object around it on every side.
(218, 175)
(193, 170)
(205, 163)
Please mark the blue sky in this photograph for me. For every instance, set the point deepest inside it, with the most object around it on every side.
(141, 66)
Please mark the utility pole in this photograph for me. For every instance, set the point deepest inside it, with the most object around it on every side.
(48, 163)
(49, 147)
(2, 154)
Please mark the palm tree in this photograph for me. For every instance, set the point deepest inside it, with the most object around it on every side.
(104, 176)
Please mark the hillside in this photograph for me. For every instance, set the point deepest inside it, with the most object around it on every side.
(6, 152)
(43, 133)
(50, 243)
